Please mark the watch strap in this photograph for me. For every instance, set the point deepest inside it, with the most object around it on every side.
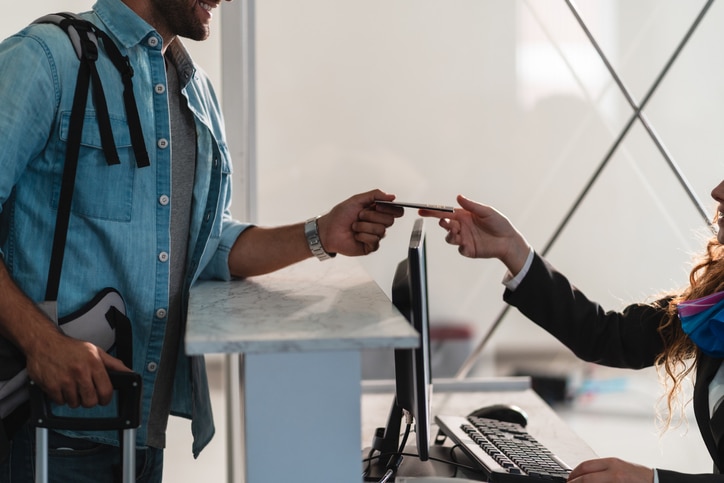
(311, 231)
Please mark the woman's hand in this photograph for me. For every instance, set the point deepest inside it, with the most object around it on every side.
(610, 470)
(480, 231)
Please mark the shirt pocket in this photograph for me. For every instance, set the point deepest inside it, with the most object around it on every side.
(102, 191)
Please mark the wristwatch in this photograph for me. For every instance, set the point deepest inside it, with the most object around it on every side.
(311, 231)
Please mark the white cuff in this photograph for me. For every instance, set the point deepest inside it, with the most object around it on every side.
(511, 282)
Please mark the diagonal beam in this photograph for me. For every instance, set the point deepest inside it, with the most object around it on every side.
(467, 365)
(638, 112)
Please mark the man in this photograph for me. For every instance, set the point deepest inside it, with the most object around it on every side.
(149, 232)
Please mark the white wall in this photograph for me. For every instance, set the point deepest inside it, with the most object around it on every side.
(504, 101)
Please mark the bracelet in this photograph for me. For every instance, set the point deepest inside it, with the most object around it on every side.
(311, 231)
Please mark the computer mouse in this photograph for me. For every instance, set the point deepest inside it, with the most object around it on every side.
(502, 412)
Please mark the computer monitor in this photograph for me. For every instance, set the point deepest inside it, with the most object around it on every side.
(413, 377)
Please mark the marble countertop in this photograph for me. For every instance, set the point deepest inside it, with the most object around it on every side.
(310, 306)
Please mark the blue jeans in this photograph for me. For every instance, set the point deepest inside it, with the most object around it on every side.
(76, 460)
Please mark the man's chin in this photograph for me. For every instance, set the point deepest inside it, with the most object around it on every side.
(199, 33)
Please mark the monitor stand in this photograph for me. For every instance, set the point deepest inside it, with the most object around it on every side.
(412, 466)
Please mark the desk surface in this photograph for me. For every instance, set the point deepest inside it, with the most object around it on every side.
(310, 306)
(543, 423)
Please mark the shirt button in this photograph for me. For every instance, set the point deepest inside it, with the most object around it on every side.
(152, 41)
(151, 367)
(160, 88)
(162, 143)
(163, 256)
(164, 200)
(160, 313)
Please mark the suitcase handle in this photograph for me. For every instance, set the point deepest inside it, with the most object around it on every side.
(128, 386)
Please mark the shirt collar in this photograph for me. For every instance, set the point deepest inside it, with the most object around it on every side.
(129, 29)
(182, 61)
(122, 23)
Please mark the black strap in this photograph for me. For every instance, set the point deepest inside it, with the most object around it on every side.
(124, 343)
(81, 32)
(104, 119)
(68, 181)
(123, 64)
(84, 37)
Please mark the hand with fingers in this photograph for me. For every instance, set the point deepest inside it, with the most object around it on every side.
(480, 231)
(356, 226)
(607, 470)
(72, 371)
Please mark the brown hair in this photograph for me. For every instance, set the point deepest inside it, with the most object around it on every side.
(707, 277)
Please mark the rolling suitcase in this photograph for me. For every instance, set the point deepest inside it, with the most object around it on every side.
(127, 396)
(127, 385)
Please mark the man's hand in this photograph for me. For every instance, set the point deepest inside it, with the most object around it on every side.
(355, 226)
(71, 371)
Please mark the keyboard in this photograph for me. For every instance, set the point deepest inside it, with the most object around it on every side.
(505, 452)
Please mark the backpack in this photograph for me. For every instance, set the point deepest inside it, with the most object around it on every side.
(86, 39)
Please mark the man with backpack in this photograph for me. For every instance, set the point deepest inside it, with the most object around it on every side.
(149, 230)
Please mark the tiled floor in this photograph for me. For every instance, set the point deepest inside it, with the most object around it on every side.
(613, 411)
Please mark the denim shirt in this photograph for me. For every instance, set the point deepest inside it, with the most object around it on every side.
(119, 233)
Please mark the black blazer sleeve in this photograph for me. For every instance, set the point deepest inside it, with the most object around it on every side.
(666, 476)
(627, 339)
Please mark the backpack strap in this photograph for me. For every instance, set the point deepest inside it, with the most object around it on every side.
(85, 39)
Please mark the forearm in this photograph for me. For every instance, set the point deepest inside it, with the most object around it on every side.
(21, 321)
(260, 250)
(353, 227)
(627, 338)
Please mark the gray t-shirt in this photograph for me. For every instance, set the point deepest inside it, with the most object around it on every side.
(183, 168)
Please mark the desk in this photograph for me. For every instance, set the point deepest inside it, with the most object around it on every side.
(300, 331)
(461, 397)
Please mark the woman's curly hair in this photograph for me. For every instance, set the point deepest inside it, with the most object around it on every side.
(706, 277)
